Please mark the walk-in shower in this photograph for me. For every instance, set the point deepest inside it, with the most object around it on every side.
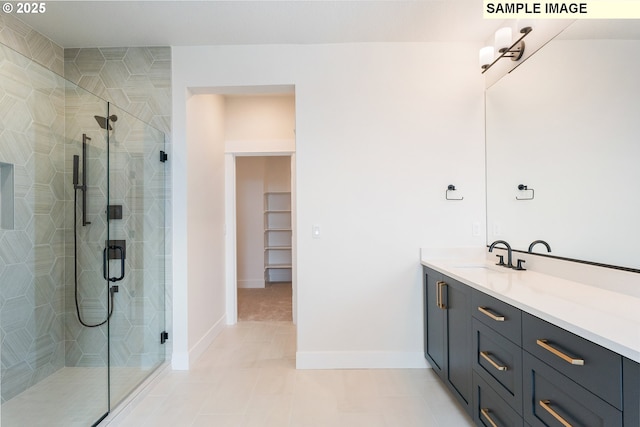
(82, 249)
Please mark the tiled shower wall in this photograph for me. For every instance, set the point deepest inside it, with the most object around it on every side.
(32, 247)
(137, 80)
(24, 39)
(32, 263)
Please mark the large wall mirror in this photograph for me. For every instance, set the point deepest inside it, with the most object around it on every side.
(566, 125)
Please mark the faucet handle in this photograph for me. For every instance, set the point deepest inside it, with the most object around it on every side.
(500, 260)
(519, 266)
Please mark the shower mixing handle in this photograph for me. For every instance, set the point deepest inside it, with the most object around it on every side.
(105, 262)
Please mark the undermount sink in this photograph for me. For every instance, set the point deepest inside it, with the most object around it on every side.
(495, 268)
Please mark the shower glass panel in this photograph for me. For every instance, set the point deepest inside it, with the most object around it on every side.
(81, 249)
(136, 200)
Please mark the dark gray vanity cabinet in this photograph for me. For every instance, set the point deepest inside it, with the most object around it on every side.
(510, 368)
(447, 333)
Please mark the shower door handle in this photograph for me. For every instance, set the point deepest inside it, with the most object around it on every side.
(105, 262)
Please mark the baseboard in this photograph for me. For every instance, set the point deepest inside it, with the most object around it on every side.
(251, 284)
(360, 360)
(182, 361)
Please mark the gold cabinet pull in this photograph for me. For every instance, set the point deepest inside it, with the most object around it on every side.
(485, 412)
(496, 317)
(561, 355)
(545, 405)
(485, 356)
(440, 284)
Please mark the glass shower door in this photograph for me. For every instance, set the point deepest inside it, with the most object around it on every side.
(135, 251)
(88, 299)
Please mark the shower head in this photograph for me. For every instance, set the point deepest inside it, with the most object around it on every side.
(103, 121)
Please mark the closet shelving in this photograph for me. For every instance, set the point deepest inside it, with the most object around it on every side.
(277, 237)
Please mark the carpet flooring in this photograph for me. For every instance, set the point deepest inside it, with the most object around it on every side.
(272, 303)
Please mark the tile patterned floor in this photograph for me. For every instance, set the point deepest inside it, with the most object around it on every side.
(247, 378)
(70, 397)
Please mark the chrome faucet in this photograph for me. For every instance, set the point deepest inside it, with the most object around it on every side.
(535, 242)
(493, 245)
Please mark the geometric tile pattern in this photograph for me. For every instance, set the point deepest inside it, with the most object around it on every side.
(136, 179)
(22, 38)
(31, 282)
(136, 80)
(42, 118)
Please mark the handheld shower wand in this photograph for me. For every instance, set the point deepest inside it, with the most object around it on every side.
(76, 185)
(76, 161)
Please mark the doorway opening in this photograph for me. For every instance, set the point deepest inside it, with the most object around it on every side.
(259, 132)
(264, 238)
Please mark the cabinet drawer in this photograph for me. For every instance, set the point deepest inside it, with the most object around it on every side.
(499, 362)
(601, 371)
(550, 397)
(500, 316)
(490, 410)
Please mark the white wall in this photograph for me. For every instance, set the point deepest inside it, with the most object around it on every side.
(262, 117)
(250, 173)
(381, 130)
(198, 232)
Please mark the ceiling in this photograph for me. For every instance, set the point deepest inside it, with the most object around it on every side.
(183, 23)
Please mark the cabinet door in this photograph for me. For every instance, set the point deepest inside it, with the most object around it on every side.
(459, 339)
(434, 323)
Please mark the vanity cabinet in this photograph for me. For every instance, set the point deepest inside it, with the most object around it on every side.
(521, 370)
(447, 333)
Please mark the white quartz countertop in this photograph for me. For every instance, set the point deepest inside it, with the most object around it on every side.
(608, 318)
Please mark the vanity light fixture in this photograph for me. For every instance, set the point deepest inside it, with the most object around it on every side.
(505, 47)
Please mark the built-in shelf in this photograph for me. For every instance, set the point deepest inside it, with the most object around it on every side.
(277, 237)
